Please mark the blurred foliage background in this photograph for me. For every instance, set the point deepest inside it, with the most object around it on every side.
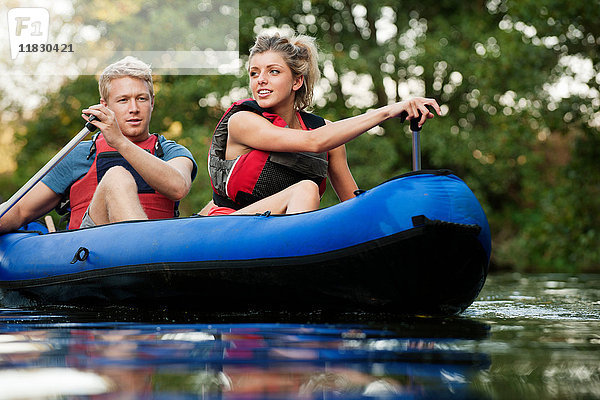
(518, 81)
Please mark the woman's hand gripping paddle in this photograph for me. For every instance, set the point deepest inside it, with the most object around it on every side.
(416, 139)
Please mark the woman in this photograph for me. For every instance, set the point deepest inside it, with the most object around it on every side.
(269, 155)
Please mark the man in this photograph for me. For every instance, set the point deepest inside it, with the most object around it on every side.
(125, 173)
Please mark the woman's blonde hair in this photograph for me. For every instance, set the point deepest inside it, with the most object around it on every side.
(300, 54)
(126, 67)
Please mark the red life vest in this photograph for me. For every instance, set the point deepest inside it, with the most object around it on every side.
(259, 174)
(155, 204)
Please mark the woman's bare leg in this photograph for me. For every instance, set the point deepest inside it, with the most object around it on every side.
(300, 197)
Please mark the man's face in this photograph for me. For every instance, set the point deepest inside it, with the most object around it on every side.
(130, 100)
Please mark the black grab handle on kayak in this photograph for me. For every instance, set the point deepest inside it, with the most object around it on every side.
(80, 255)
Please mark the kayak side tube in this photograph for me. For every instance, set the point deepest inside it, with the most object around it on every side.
(418, 243)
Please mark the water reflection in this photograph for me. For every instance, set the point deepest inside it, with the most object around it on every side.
(406, 359)
(527, 337)
(544, 341)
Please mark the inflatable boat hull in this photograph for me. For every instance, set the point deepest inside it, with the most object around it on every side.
(417, 244)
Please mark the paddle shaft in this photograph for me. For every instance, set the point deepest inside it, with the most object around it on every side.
(416, 143)
(6, 206)
(416, 139)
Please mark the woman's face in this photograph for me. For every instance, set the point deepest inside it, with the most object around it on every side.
(271, 81)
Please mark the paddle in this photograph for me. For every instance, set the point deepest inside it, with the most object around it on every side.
(88, 128)
(416, 143)
(416, 139)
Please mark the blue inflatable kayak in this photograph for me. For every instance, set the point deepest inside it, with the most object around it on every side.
(416, 244)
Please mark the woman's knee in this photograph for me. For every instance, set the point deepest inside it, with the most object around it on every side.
(307, 187)
(304, 196)
(307, 190)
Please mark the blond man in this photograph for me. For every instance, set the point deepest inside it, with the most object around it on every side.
(124, 173)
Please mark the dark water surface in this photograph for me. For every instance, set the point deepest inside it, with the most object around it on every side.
(527, 337)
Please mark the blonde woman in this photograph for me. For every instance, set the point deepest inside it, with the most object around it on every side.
(267, 154)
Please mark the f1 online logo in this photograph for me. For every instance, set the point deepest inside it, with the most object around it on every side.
(27, 26)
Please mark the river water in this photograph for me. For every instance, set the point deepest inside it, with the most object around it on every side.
(526, 337)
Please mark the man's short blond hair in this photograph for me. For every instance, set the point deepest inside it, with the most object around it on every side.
(127, 67)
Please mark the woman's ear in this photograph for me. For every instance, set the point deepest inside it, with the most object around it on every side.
(298, 82)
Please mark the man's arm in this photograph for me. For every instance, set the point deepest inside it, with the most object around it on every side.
(37, 202)
(171, 178)
(184, 166)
